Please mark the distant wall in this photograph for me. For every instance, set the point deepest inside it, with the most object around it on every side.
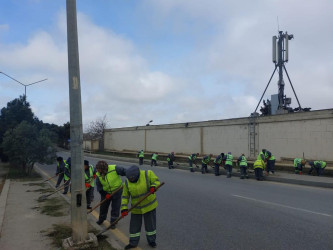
(285, 135)
(92, 145)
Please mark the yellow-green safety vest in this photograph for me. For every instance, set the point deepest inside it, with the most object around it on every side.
(90, 179)
(111, 180)
(154, 157)
(259, 164)
(205, 160)
(137, 190)
(229, 159)
(243, 161)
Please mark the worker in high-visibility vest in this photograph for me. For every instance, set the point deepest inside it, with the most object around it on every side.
(170, 159)
(141, 155)
(107, 181)
(270, 163)
(154, 159)
(89, 181)
(259, 166)
(204, 162)
(298, 165)
(139, 183)
(228, 158)
(67, 175)
(242, 163)
(60, 170)
(319, 166)
(218, 161)
(192, 160)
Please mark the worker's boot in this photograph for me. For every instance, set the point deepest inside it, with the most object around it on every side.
(153, 244)
(129, 246)
(242, 177)
(99, 222)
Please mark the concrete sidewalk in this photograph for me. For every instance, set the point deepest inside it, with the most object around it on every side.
(279, 176)
(25, 221)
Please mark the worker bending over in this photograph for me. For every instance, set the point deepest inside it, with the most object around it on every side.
(107, 182)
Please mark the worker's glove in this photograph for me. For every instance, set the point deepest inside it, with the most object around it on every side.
(124, 213)
(152, 190)
(107, 196)
(94, 176)
(87, 185)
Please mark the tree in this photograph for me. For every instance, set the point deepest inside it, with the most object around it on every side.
(25, 146)
(95, 130)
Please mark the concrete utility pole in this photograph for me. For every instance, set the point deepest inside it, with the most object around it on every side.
(80, 235)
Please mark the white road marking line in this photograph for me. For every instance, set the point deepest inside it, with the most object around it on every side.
(280, 205)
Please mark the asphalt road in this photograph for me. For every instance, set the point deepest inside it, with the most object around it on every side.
(206, 212)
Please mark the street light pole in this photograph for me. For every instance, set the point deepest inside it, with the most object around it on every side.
(25, 85)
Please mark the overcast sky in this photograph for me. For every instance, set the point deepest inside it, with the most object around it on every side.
(169, 61)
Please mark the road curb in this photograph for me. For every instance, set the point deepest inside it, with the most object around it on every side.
(3, 202)
(300, 182)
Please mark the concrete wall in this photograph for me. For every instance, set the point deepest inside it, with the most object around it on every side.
(92, 145)
(285, 135)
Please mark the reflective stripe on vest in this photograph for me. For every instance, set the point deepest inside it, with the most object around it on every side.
(206, 160)
(192, 157)
(218, 159)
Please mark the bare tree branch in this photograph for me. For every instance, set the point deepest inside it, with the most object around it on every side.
(95, 129)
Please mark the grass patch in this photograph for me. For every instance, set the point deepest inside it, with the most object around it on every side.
(59, 232)
(35, 184)
(42, 190)
(55, 207)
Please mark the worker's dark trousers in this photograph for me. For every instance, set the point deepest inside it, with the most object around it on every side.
(153, 162)
(258, 174)
(204, 168)
(90, 195)
(243, 171)
(319, 171)
(170, 164)
(298, 169)
(229, 170)
(60, 177)
(67, 183)
(191, 165)
(270, 166)
(217, 169)
(140, 160)
(115, 207)
(150, 227)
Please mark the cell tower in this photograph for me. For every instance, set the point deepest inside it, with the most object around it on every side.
(279, 103)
